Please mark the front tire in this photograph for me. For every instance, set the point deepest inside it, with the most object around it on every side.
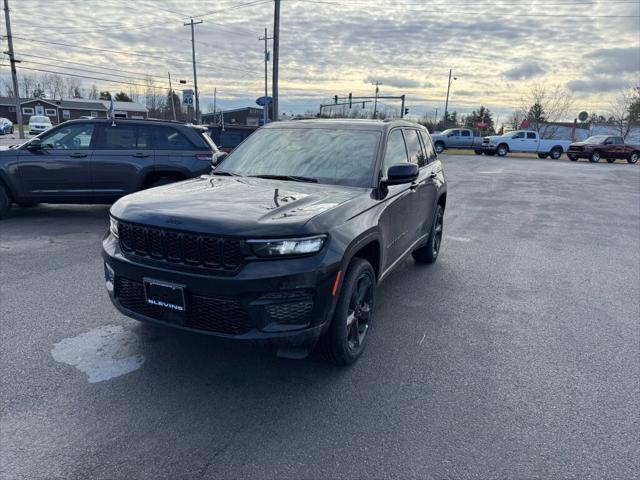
(633, 158)
(502, 150)
(429, 252)
(595, 157)
(439, 146)
(5, 201)
(573, 158)
(477, 151)
(344, 341)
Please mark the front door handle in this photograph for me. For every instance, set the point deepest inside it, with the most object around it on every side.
(140, 155)
(78, 155)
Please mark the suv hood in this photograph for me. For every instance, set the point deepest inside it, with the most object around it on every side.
(234, 206)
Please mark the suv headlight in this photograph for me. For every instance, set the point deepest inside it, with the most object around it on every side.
(287, 246)
(113, 227)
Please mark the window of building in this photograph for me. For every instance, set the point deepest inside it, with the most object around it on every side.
(66, 114)
(27, 111)
(94, 114)
(12, 109)
(50, 112)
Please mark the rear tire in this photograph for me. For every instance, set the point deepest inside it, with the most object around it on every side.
(633, 158)
(556, 153)
(595, 157)
(5, 201)
(345, 340)
(429, 252)
(502, 150)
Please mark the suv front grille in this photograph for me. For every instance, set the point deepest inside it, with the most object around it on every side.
(220, 315)
(193, 249)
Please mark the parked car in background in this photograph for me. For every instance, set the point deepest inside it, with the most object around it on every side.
(605, 147)
(287, 240)
(456, 138)
(91, 161)
(6, 126)
(230, 137)
(39, 124)
(523, 141)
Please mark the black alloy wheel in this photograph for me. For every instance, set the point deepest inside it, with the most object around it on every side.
(345, 339)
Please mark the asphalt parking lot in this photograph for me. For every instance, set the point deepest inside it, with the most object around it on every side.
(515, 356)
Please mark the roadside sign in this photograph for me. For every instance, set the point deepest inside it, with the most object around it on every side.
(187, 97)
(262, 101)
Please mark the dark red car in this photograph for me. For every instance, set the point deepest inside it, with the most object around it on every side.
(604, 146)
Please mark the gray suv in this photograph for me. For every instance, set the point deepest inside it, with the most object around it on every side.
(95, 161)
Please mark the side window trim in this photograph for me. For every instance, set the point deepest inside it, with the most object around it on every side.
(386, 149)
(417, 132)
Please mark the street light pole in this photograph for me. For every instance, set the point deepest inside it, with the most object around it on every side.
(276, 59)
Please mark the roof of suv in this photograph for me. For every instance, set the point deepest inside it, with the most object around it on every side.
(148, 121)
(345, 123)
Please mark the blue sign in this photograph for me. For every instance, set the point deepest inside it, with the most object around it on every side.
(262, 101)
(187, 97)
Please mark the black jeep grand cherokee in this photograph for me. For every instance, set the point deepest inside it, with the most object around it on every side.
(286, 240)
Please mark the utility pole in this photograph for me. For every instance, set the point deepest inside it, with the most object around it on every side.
(446, 104)
(266, 61)
(173, 105)
(375, 103)
(402, 108)
(276, 57)
(193, 60)
(14, 74)
(215, 97)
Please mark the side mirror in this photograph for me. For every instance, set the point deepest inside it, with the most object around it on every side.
(218, 158)
(401, 173)
(35, 144)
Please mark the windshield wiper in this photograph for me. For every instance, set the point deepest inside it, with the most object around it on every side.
(226, 172)
(294, 178)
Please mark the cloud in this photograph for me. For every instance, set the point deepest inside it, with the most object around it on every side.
(597, 84)
(527, 69)
(397, 81)
(615, 60)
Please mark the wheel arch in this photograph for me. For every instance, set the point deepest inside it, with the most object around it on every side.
(155, 175)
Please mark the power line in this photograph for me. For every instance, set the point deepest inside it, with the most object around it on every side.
(143, 55)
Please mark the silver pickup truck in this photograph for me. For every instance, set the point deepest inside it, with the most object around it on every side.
(457, 138)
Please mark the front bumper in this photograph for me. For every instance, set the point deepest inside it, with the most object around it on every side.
(285, 302)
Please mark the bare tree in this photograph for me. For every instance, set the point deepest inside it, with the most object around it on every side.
(544, 107)
(625, 111)
(94, 93)
(73, 87)
(27, 84)
(514, 121)
(54, 85)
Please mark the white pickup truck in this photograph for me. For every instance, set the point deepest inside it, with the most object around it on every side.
(524, 141)
(456, 138)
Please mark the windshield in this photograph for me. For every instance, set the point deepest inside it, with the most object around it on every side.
(596, 139)
(39, 119)
(340, 157)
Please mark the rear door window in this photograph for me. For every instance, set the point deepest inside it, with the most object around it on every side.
(396, 151)
(169, 138)
(531, 135)
(466, 133)
(414, 147)
(120, 137)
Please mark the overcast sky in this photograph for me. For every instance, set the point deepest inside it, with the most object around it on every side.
(328, 47)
